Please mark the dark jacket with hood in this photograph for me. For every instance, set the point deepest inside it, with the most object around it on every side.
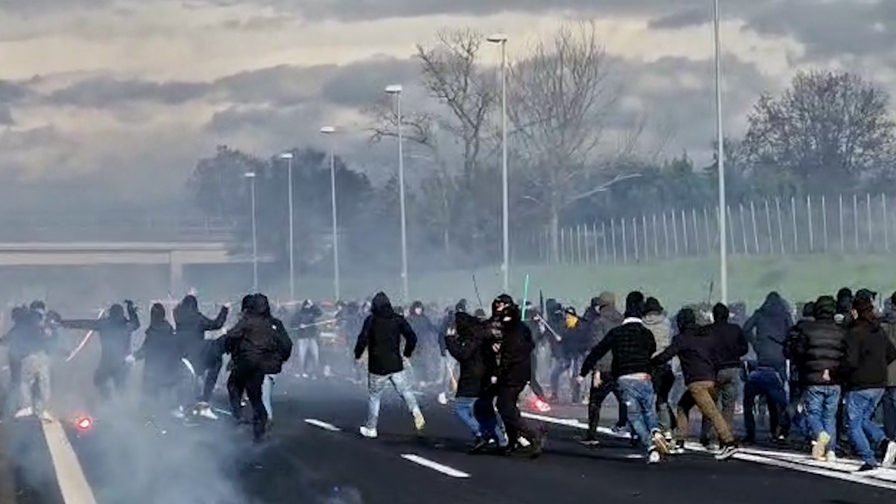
(114, 330)
(868, 351)
(468, 346)
(767, 331)
(729, 341)
(381, 337)
(160, 351)
(577, 339)
(259, 341)
(516, 347)
(695, 348)
(608, 319)
(191, 325)
(818, 345)
(303, 321)
(427, 334)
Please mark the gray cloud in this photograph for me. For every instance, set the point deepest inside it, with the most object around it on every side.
(102, 92)
(677, 20)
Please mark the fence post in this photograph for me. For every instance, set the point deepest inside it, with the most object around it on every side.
(684, 232)
(635, 238)
(644, 229)
(840, 216)
(743, 229)
(780, 224)
(708, 235)
(809, 215)
(755, 230)
(696, 231)
(796, 236)
(613, 238)
(855, 218)
(870, 224)
(824, 223)
(768, 224)
(624, 242)
(665, 234)
(883, 206)
(674, 232)
(731, 240)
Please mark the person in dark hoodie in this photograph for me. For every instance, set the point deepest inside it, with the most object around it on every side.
(868, 353)
(696, 350)
(844, 307)
(381, 337)
(632, 345)
(32, 343)
(575, 341)
(203, 355)
(817, 350)
(513, 372)
(258, 345)
(428, 354)
(730, 346)
(467, 344)
(160, 353)
(114, 330)
(307, 338)
(767, 330)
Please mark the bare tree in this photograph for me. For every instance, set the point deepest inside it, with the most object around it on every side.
(560, 100)
(826, 126)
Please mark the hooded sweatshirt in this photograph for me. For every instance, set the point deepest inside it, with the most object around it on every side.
(694, 347)
(730, 342)
(467, 346)
(114, 330)
(191, 326)
(767, 331)
(381, 337)
(259, 341)
(160, 351)
(868, 350)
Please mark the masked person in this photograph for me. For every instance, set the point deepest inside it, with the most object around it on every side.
(381, 338)
(513, 372)
(114, 330)
(190, 327)
(160, 354)
(258, 345)
(32, 342)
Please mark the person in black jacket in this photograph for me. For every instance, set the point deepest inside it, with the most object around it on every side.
(575, 341)
(381, 338)
(160, 353)
(258, 345)
(817, 349)
(730, 346)
(513, 372)
(868, 353)
(206, 360)
(632, 345)
(696, 350)
(467, 344)
(114, 330)
(304, 323)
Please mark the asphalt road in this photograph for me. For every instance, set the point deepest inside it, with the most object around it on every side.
(316, 456)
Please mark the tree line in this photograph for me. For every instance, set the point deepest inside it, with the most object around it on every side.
(828, 132)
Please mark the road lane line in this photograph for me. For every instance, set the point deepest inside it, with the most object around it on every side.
(69, 473)
(851, 477)
(222, 411)
(322, 425)
(435, 466)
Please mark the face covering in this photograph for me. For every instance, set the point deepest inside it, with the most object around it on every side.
(571, 321)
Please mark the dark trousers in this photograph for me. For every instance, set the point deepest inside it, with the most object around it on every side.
(663, 381)
(888, 403)
(596, 398)
(248, 381)
(507, 398)
(768, 383)
(116, 373)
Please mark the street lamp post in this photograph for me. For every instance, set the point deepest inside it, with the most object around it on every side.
(251, 177)
(292, 243)
(329, 130)
(505, 266)
(395, 90)
(720, 159)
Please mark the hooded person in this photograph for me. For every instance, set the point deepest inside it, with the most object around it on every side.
(632, 345)
(31, 343)
(114, 330)
(304, 323)
(657, 322)
(160, 353)
(513, 372)
(429, 352)
(767, 330)
(867, 355)
(888, 403)
(696, 350)
(575, 342)
(191, 327)
(381, 337)
(844, 306)
(258, 345)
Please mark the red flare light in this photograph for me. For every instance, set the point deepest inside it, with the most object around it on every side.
(542, 406)
(84, 423)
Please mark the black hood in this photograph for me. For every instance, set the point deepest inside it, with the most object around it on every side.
(686, 319)
(116, 313)
(773, 304)
(157, 314)
(259, 306)
(381, 306)
(720, 313)
(189, 304)
(825, 308)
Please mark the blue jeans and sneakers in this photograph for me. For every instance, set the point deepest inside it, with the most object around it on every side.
(376, 385)
(640, 402)
(866, 435)
(821, 402)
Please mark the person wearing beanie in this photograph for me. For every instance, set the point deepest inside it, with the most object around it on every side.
(632, 346)
(868, 353)
(817, 350)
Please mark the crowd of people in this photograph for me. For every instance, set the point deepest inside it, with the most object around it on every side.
(825, 379)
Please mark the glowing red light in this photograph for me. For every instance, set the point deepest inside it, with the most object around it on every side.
(542, 406)
(84, 423)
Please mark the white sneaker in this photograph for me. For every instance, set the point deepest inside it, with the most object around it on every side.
(24, 412)
(653, 457)
(890, 456)
(831, 457)
(443, 398)
(368, 432)
(178, 413)
(207, 412)
(419, 421)
(524, 442)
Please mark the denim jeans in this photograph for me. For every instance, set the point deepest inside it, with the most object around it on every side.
(768, 383)
(308, 347)
(472, 411)
(267, 387)
(376, 385)
(640, 402)
(821, 402)
(864, 434)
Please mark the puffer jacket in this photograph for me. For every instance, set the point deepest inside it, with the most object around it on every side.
(819, 345)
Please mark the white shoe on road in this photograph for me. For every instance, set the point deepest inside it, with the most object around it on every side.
(368, 432)
(207, 412)
(443, 398)
(890, 456)
(24, 412)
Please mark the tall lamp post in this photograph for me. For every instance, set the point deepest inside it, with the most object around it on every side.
(720, 159)
(395, 91)
(331, 131)
(292, 243)
(251, 176)
(505, 265)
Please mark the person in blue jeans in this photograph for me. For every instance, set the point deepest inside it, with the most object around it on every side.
(465, 340)
(632, 345)
(817, 349)
(766, 382)
(868, 353)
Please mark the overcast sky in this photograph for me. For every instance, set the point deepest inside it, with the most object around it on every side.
(128, 94)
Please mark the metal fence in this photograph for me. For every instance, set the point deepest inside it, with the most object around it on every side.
(844, 224)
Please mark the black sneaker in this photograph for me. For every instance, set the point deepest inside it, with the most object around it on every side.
(727, 451)
(537, 447)
(590, 440)
(478, 445)
(867, 467)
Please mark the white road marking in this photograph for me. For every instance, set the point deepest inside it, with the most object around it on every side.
(435, 466)
(322, 425)
(842, 469)
(69, 473)
(222, 411)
